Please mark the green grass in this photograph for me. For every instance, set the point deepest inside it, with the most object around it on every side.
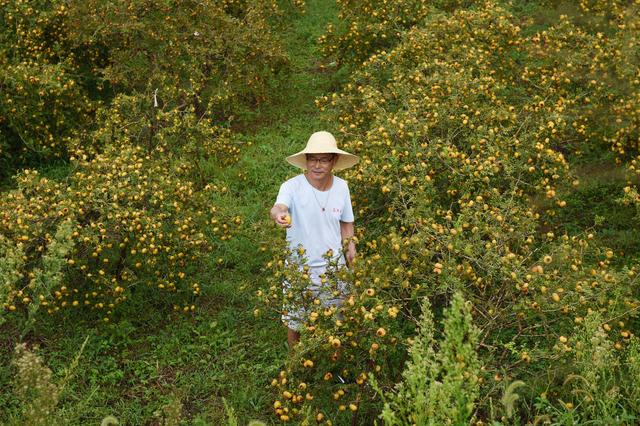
(593, 206)
(132, 368)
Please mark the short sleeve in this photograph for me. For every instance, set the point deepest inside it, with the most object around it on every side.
(347, 211)
(284, 195)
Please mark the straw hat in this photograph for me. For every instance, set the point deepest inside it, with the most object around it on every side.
(323, 143)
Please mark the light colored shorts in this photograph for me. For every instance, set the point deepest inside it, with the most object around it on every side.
(295, 317)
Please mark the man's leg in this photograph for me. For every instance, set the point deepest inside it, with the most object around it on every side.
(293, 337)
(291, 318)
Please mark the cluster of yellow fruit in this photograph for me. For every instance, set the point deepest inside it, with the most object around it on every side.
(133, 226)
(369, 27)
(464, 128)
(42, 99)
(301, 5)
(631, 194)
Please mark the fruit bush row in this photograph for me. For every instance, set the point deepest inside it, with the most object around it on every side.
(120, 224)
(135, 114)
(61, 63)
(466, 127)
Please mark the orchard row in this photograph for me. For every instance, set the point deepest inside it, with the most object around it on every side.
(466, 116)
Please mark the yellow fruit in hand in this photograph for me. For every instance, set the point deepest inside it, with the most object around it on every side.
(287, 219)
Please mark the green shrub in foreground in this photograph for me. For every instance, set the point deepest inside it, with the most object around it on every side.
(439, 386)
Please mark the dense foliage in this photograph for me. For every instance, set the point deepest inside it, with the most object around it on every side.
(120, 222)
(467, 124)
(60, 63)
(139, 110)
(471, 300)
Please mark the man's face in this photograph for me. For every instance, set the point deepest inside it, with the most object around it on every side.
(320, 165)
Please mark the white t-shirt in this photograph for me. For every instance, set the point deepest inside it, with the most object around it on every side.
(316, 230)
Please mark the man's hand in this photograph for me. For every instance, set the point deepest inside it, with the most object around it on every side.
(280, 215)
(348, 242)
(350, 254)
(284, 220)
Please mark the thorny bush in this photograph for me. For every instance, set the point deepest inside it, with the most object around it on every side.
(131, 223)
(464, 129)
(60, 62)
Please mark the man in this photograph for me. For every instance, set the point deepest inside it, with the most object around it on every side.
(315, 207)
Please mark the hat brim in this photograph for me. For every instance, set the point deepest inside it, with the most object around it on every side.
(345, 159)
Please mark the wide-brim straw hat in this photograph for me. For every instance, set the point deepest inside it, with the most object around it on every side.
(323, 143)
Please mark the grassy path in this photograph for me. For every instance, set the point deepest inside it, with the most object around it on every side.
(138, 368)
(281, 128)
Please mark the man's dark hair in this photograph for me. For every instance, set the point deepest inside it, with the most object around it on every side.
(333, 154)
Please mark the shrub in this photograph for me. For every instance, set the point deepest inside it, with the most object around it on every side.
(132, 120)
(34, 387)
(341, 345)
(439, 386)
(133, 220)
(447, 127)
(464, 128)
(44, 96)
(36, 390)
(370, 27)
(598, 384)
(215, 56)
(60, 63)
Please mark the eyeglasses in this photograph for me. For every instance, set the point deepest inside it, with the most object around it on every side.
(323, 161)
